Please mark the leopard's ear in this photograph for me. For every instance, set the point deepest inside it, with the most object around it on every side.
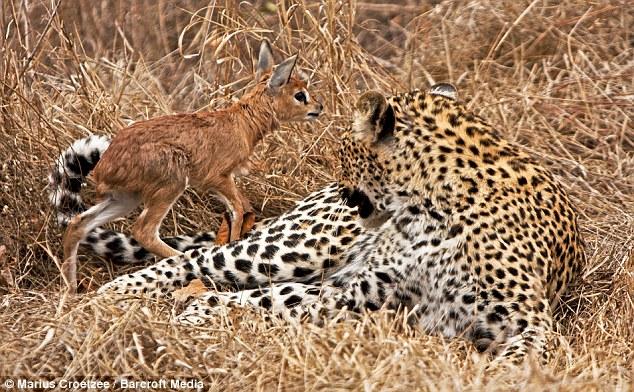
(373, 118)
(447, 90)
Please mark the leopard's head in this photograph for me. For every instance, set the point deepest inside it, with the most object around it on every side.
(381, 154)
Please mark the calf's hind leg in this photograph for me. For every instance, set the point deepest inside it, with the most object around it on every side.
(146, 227)
(113, 206)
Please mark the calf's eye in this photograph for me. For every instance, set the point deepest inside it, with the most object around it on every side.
(300, 96)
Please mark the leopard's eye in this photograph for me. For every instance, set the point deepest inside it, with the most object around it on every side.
(301, 97)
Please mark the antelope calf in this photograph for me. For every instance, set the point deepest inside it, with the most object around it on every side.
(154, 161)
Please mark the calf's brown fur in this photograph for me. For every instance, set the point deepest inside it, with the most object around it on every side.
(154, 161)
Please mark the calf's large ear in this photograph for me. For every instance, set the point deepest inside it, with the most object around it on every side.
(282, 73)
(265, 60)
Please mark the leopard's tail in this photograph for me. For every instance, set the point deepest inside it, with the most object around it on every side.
(69, 174)
(65, 183)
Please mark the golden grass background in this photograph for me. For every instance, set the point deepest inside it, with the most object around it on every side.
(554, 76)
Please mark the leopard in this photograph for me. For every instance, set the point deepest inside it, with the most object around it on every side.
(433, 212)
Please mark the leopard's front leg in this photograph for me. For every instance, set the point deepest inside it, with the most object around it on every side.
(350, 289)
(286, 300)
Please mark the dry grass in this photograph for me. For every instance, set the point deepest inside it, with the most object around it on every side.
(555, 76)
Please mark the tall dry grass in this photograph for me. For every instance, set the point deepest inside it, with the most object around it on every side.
(554, 76)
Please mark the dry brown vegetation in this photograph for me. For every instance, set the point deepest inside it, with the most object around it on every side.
(554, 76)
